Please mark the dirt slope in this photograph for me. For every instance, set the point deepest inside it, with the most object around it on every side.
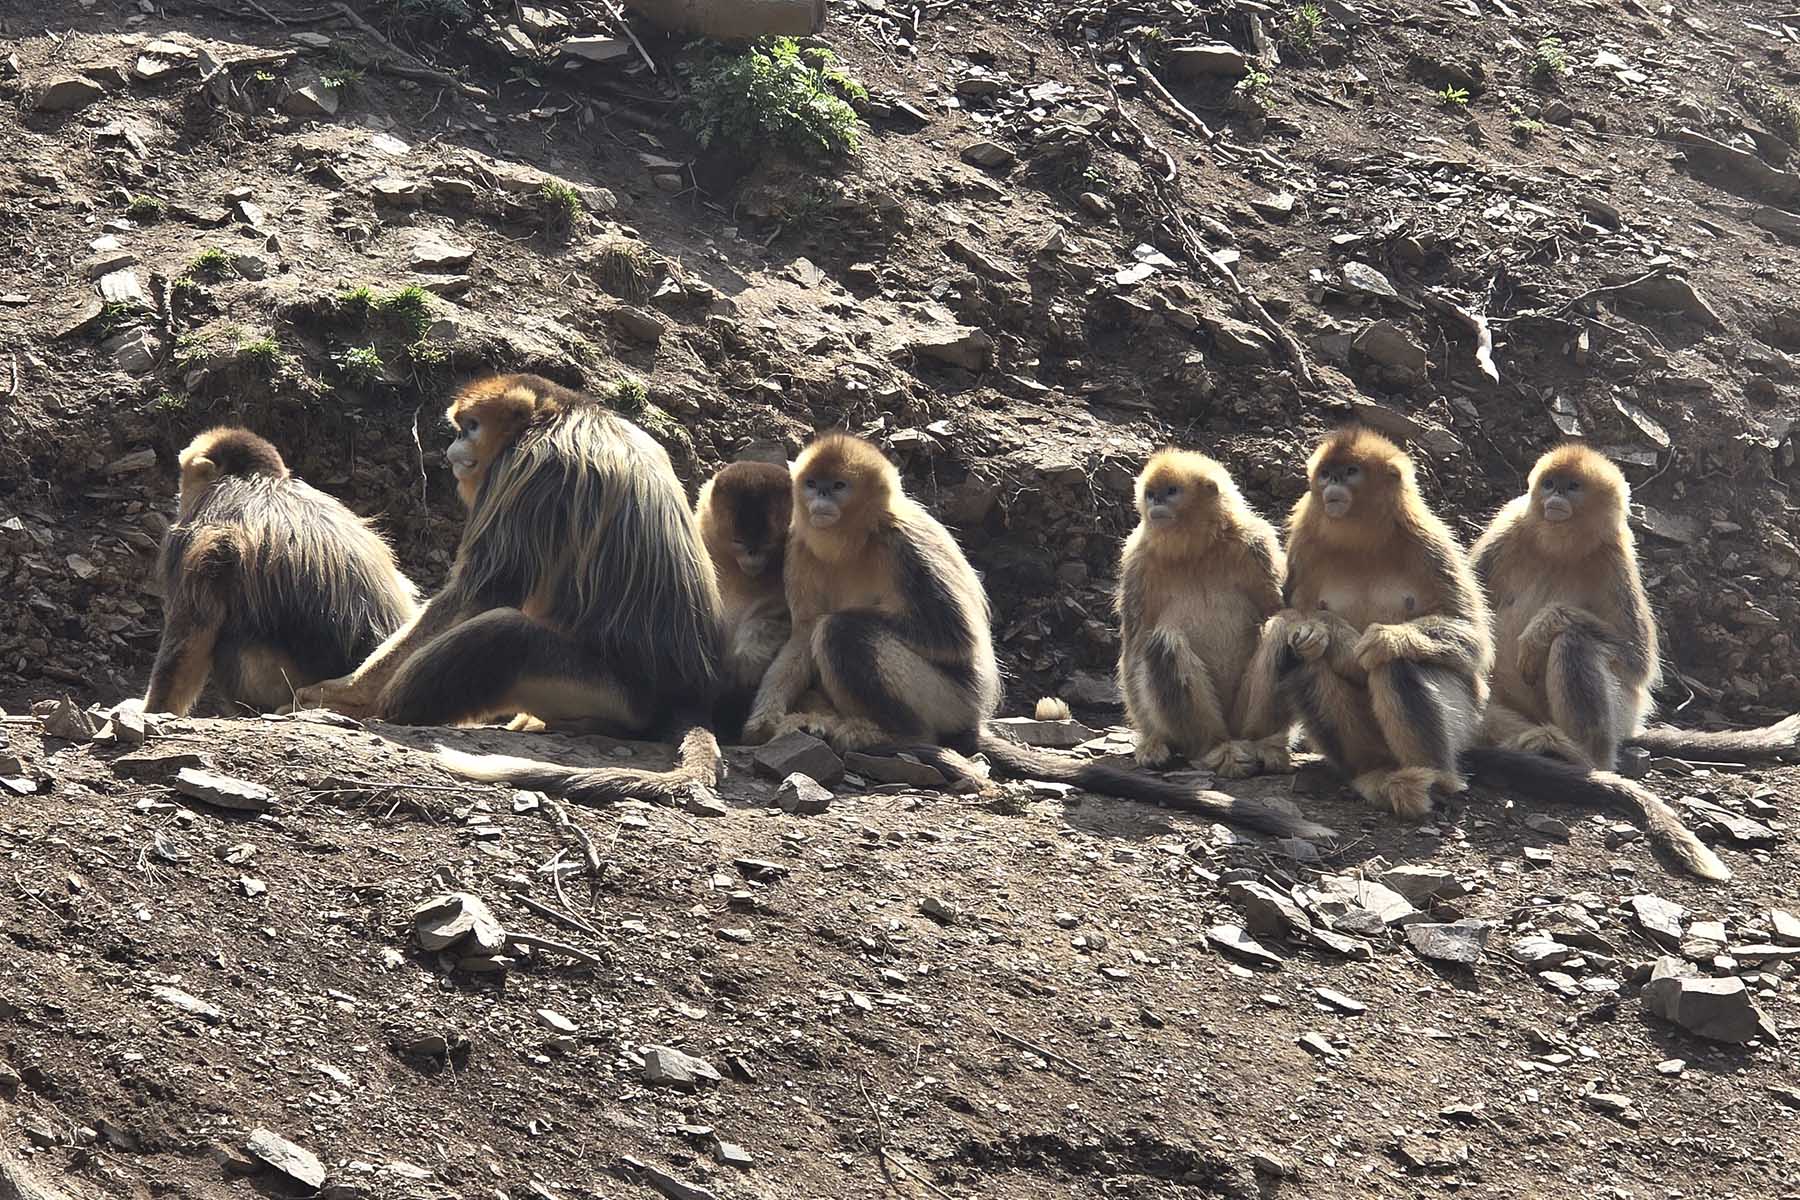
(1019, 336)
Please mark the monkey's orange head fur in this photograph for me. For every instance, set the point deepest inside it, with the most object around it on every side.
(1357, 481)
(491, 413)
(1182, 494)
(744, 513)
(1576, 490)
(225, 452)
(841, 485)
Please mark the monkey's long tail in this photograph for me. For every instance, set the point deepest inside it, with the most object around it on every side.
(1724, 745)
(698, 765)
(1277, 817)
(1550, 780)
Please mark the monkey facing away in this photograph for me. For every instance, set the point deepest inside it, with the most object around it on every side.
(891, 624)
(1385, 649)
(1199, 577)
(1576, 640)
(580, 593)
(268, 584)
(743, 513)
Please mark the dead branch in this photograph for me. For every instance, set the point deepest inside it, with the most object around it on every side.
(408, 66)
(1015, 1040)
(1149, 80)
(534, 942)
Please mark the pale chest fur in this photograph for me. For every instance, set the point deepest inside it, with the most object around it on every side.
(1336, 582)
(818, 586)
(1218, 606)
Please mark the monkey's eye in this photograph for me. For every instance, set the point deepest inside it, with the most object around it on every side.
(1352, 472)
(1574, 485)
(1171, 490)
(839, 485)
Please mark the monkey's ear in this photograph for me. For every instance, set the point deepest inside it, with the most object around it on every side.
(201, 469)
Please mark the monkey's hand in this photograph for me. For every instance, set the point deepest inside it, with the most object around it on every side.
(761, 727)
(1382, 644)
(1549, 624)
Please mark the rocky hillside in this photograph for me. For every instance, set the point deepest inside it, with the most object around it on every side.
(1061, 241)
(1067, 233)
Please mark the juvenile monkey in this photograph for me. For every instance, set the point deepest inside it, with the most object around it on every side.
(580, 593)
(1577, 646)
(268, 584)
(743, 514)
(1385, 648)
(891, 623)
(1199, 577)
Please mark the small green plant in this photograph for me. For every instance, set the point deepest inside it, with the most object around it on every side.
(1254, 87)
(265, 78)
(1454, 97)
(1772, 106)
(630, 394)
(116, 315)
(187, 292)
(1550, 60)
(425, 355)
(168, 402)
(357, 304)
(1301, 26)
(1526, 128)
(211, 263)
(144, 209)
(192, 350)
(363, 363)
(409, 309)
(562, 208)
(262, 355)
(775, 94)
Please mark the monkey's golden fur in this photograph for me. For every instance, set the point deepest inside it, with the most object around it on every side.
(268, 584)
(580, 592)
(1386, 647)
(744, 512)
(1577, 644)
(892, 623)
(1199, 577)
(1383, 650)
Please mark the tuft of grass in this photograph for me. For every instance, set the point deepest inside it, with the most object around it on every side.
(357, 304)
(562, 209)
(1301, 25)
(774, 94)
(424, 356)
(211, 263)
(1526, 128)
(408, 309)
(625, 268)
(144, 209)
(168, 402)
(1550, 60)
(262, 355)
(1454, 97)
(629, 394)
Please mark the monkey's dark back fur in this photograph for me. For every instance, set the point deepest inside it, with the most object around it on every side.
(294, 568)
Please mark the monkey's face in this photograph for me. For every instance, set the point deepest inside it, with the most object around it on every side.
(1337, 483)
(759, 532)
(1575, 484)
(1558, 496)
(1165, 498)
(481, 432)
(825, 495)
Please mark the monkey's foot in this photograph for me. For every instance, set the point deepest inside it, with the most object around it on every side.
(1551, 742)
(1234, 759)
(1309, 639)
(525, 723)
(1153, 752)
(843, 733)
(1277, 758)
(1404, 790)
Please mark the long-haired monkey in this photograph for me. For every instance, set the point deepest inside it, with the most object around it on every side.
(891, 624)
(580, 593)
(744, 512)
(1576, 640)
(1199, 577)
(268, 584)
(1385, 649)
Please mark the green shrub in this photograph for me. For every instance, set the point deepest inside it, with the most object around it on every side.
(774, 94)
